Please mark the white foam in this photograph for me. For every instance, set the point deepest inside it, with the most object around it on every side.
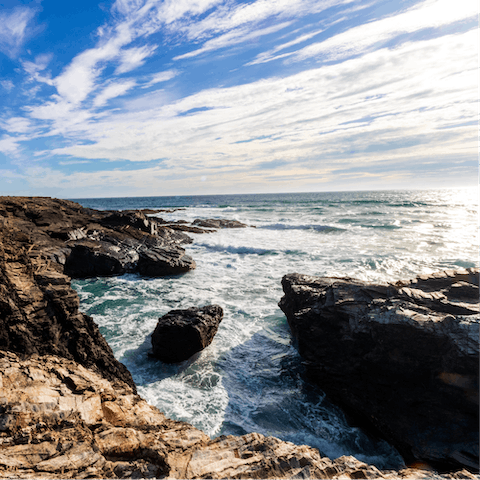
(248, 378)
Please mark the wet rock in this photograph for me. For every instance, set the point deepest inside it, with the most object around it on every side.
(181, 333)
(90, 258)
(158, 262)
(402, 359)
(218, 223)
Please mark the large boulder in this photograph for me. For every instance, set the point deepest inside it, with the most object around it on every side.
(181, 333)
(402, 359)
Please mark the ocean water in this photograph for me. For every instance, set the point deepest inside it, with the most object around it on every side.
(251, 379)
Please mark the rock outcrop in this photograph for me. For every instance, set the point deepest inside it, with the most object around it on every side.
(181, 333)
(218, 223)
(86, 243)
(401, 358)
(39, 311)
(59, 420)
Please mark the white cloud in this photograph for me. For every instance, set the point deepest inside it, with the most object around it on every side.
(112, 91)
(236, 36)
(34, 68)
(226, 17)
(10, 145)
(385, 106)
(271, 54)
(134, 57)
(366, 37)
(7, 85)
(161, 77)
(16, 125)
(14, 30)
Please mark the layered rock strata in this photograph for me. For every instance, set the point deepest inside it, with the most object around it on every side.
(60, 420)
(181, 333)
(401, 358)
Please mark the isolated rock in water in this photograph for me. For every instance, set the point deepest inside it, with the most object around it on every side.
(181, 333)
(402, 358)
(158, 262)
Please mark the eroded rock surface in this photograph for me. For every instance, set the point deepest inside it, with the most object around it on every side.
(88, 243)
(181, 333)
(60, 420)
(402, 358)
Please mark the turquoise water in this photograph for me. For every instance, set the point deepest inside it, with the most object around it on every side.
(251, 378)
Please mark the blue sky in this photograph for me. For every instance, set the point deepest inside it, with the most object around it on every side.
(179, 97)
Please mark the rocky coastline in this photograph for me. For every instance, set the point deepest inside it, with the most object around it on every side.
(68, 408)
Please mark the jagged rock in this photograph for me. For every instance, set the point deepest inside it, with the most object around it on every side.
(402, 358)
(89, 243)
(218, 223)
(60, 420)
(90, 258)
(181, 333)
(39, 311)
(158, 262)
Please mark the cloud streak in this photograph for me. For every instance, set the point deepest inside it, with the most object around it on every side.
(15, 29)
(344, 94)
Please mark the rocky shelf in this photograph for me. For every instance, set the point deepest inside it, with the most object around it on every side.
(68, 408)
(401, 359)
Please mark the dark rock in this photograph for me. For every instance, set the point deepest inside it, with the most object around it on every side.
(134, 219)
(39, 311)
(158, 262)
(181, 333)
(188, 228)
(402, 359)
(94, 258)
(218, 223)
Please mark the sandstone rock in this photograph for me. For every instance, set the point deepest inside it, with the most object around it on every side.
(181, 333)
(400, 358)
(61, 426)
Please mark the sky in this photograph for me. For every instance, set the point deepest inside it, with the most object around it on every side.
(191, 97)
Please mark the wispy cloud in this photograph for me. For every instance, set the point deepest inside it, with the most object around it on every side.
(134, 57)
(16, 125)
(309, 115)
(365, 38)
(112, 91)
(161, 77)
(11, 145)
(14, 30)
(236, 36)
(271, 54)
(8, 85)
(400, 88)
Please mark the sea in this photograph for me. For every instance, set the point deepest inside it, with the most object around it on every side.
(251, 378)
